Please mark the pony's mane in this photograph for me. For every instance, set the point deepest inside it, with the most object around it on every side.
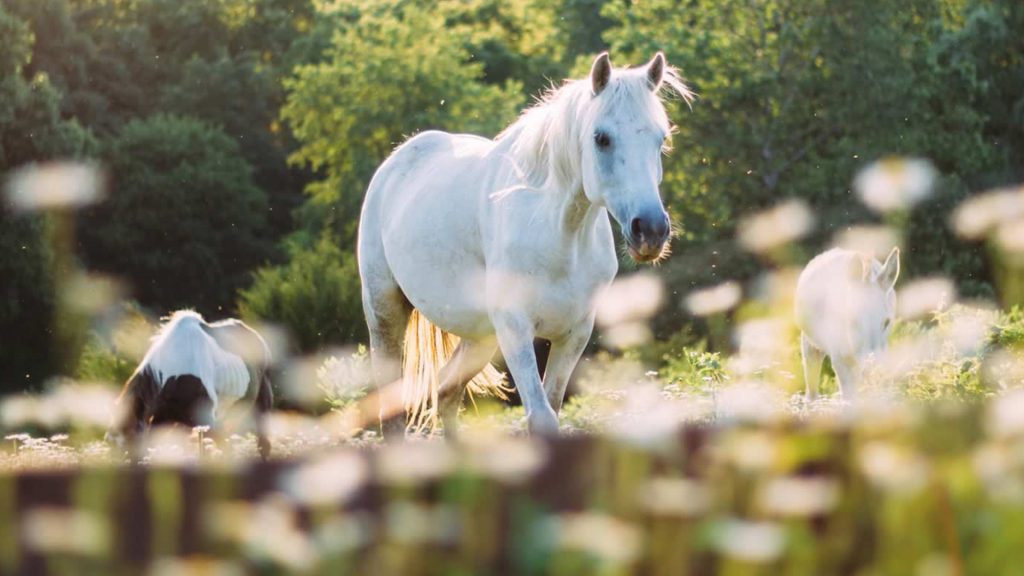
(547, 136)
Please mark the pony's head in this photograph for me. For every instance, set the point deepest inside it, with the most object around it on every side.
(879, 309)
(626, 132)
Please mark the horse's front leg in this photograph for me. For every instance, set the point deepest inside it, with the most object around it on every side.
(565, 354)
(515, 338)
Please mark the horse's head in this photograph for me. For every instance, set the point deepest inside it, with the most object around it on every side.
(626, 132)
(883, 276)
(877, 308)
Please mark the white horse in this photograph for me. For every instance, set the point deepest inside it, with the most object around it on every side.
(193, 373)
(845, 304)
(478, 244)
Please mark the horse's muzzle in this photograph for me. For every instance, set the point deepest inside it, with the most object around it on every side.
(647, 237)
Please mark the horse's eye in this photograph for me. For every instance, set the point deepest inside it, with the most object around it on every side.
(602, 139)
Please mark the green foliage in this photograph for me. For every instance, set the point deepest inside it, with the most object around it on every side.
(100, 363)
(698, 369)
(515, 41)
(184, 221)
(1009, 332)
(31, 129)
(346, 379)
(795, 97)
(315, 295)
(386, 75)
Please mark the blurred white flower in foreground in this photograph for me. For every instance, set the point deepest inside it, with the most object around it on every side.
(604, 537)
(751, 402)
(268, 530)
(503, 458)
(55, 185)
(895, 183)
(60, 530)
(893, 467)
(799, 495)
(757, 542)
(415, 461)
(714, 300)
(624, 307)
(979, 215)
(677, 497)
(876, 241)
(326, 479)
(922, 297)
(1010, 236)
(1006, 415)
(780, 225)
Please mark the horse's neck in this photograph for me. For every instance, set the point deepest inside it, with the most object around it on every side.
(576, 214)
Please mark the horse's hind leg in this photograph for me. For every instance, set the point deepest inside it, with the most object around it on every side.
(263, 405)
(387, 316)
(469, 358)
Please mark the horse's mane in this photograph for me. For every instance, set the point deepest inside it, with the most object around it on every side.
(547, 136)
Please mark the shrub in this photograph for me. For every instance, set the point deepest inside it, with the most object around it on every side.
(316, 296)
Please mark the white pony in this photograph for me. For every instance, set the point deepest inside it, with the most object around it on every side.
(468, 245)
(845, 304)
(193, 373)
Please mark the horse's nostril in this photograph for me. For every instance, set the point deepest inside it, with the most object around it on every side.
(636, 227)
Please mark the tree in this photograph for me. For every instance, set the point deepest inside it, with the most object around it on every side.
(388, 74)
(184, 221)
(795, 96)
(30, 130)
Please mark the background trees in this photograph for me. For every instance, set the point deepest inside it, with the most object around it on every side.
(185, 220)
(31, 128)
(234, 126)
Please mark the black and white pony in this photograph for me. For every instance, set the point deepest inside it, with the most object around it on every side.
(193, 373)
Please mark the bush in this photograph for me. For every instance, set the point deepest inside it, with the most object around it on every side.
(316, 296)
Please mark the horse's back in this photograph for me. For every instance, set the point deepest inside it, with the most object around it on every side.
(423, 225)
(824, 309)
(190, 348)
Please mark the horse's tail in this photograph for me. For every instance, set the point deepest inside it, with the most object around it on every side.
(427, 349)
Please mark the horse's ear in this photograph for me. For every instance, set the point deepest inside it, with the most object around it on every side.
(890, 270)
(656, 70)
(600, 73)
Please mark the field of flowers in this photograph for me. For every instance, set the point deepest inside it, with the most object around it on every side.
(709, 465)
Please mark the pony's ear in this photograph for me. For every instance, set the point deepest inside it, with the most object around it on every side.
(600, 73)
(656, 70)
(890, 271)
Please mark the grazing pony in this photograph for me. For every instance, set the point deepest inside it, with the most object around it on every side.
(468, 245)
(845, 304)
(193, 373)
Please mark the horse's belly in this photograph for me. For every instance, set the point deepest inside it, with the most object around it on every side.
(445, 283)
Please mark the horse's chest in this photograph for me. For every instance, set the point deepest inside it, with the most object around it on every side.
(559, 305)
